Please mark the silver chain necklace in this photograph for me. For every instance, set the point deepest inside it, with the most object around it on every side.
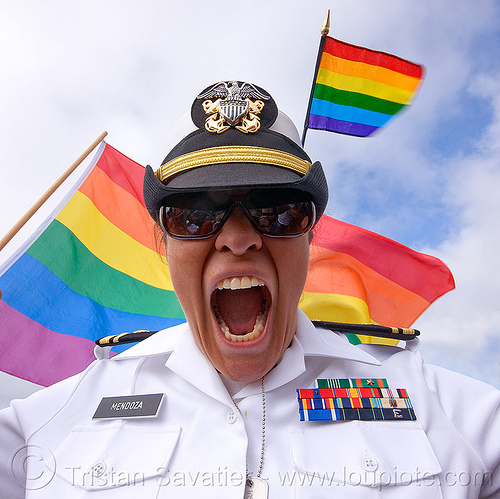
(255, 486)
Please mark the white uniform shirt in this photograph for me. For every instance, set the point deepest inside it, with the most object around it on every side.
(201, 444)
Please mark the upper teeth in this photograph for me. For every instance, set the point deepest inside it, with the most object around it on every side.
(244, 282)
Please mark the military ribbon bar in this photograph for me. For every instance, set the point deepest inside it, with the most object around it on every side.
(365, 399)
(352, 383)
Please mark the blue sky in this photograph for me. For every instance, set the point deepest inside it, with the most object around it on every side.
(430, 180)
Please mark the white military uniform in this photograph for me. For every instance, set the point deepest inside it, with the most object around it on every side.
(200, 443)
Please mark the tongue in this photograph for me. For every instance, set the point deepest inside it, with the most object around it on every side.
(239, 308)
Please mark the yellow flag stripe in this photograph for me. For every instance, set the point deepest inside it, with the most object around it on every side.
(333, 307)
(111, 245)
(363, 86)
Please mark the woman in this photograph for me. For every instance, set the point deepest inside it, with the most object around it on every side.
(237, 198)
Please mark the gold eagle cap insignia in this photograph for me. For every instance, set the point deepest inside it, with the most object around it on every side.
(229, 104)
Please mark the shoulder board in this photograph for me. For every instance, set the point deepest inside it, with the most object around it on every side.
(397, 333)
(121, 339)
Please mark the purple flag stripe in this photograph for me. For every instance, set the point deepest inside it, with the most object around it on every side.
(23, 338)
(346, 127)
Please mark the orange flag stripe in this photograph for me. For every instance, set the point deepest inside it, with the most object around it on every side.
(369, 72)
(121, 208)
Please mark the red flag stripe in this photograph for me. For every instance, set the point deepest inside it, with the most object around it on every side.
(123, 171)
(374, 57)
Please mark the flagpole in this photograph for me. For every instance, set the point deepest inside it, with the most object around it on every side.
(324, 32)
(12, 232)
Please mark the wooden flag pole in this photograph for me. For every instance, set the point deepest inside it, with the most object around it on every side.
(12, 232)
(324, 32)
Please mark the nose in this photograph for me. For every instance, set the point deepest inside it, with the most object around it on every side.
(238, 234)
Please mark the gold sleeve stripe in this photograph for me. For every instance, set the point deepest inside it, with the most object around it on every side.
(233, 154)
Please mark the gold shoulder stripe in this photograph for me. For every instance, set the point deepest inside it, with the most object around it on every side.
(399, 333)
(232, 154)
(123, 338)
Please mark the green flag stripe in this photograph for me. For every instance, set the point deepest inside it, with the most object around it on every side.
(64, 255)
(355, 99)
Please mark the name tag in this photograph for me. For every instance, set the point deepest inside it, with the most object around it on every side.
(129, 406)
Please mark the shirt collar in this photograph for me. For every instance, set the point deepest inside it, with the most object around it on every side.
(317, 342)
(183, 358)
(161, 343)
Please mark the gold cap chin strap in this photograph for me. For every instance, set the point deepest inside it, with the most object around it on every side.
(232, 154)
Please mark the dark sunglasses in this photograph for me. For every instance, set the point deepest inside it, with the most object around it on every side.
(195, 216)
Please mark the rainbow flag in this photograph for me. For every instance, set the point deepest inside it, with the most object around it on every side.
(361, 277)
(358, 90)
(95, 268)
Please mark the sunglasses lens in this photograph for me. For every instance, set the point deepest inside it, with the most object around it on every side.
(284, 220)
(190, 223)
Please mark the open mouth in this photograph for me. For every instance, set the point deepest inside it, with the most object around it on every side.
(241, 305)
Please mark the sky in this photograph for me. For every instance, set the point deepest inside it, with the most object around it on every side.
(429, 180)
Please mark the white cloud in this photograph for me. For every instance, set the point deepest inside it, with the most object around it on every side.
(468, 319)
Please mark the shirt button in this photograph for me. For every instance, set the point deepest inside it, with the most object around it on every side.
(98, 469)
(369, 463)
(231, 416)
